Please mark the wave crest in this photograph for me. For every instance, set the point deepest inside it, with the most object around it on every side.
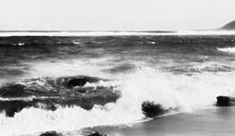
(176, 92)
(227, 49)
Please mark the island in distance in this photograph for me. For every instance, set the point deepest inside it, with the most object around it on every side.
(229, 26)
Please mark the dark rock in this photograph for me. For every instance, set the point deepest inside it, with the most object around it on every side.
(150, 109)
(11, 107)
(95, 134)
(51, 133)
(80, 81)
(223, 101)
(13, 90)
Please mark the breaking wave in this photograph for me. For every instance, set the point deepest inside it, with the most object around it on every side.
(228, 49)
(178, 92)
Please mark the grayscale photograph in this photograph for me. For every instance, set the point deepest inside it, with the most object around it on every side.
(117, 67)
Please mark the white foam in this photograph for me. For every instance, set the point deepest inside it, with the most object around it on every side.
(186, 93)
(177, 91)
(25, 98)
(32, 120)
(228, 49)
(115, 33)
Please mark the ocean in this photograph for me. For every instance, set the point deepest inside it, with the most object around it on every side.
(76, 83)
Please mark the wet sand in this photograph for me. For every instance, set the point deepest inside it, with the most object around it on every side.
(210, 122)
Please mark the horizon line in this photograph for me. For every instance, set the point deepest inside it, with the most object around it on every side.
(151, 31)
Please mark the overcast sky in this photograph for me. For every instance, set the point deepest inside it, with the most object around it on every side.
(115, 14)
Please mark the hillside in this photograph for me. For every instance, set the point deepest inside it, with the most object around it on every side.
(229, 26)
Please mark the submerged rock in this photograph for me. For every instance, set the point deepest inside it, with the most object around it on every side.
(12, 107)
(14, 90)
(51, 93)
(80, 81)
(223, 101)
(51, 133)
(95, 134)
(151, 110)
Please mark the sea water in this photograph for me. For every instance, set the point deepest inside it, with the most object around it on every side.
(182, 72)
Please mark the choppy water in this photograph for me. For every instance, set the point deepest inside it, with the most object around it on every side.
(181, 72)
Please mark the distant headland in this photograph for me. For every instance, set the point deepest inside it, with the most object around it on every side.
(229, 26)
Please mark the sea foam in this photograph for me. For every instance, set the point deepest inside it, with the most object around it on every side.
(228, 49)
(115, 33)
(179, 92)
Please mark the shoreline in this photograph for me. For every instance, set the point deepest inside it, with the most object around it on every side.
(214, 121)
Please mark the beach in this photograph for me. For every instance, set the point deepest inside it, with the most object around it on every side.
(208, 122)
